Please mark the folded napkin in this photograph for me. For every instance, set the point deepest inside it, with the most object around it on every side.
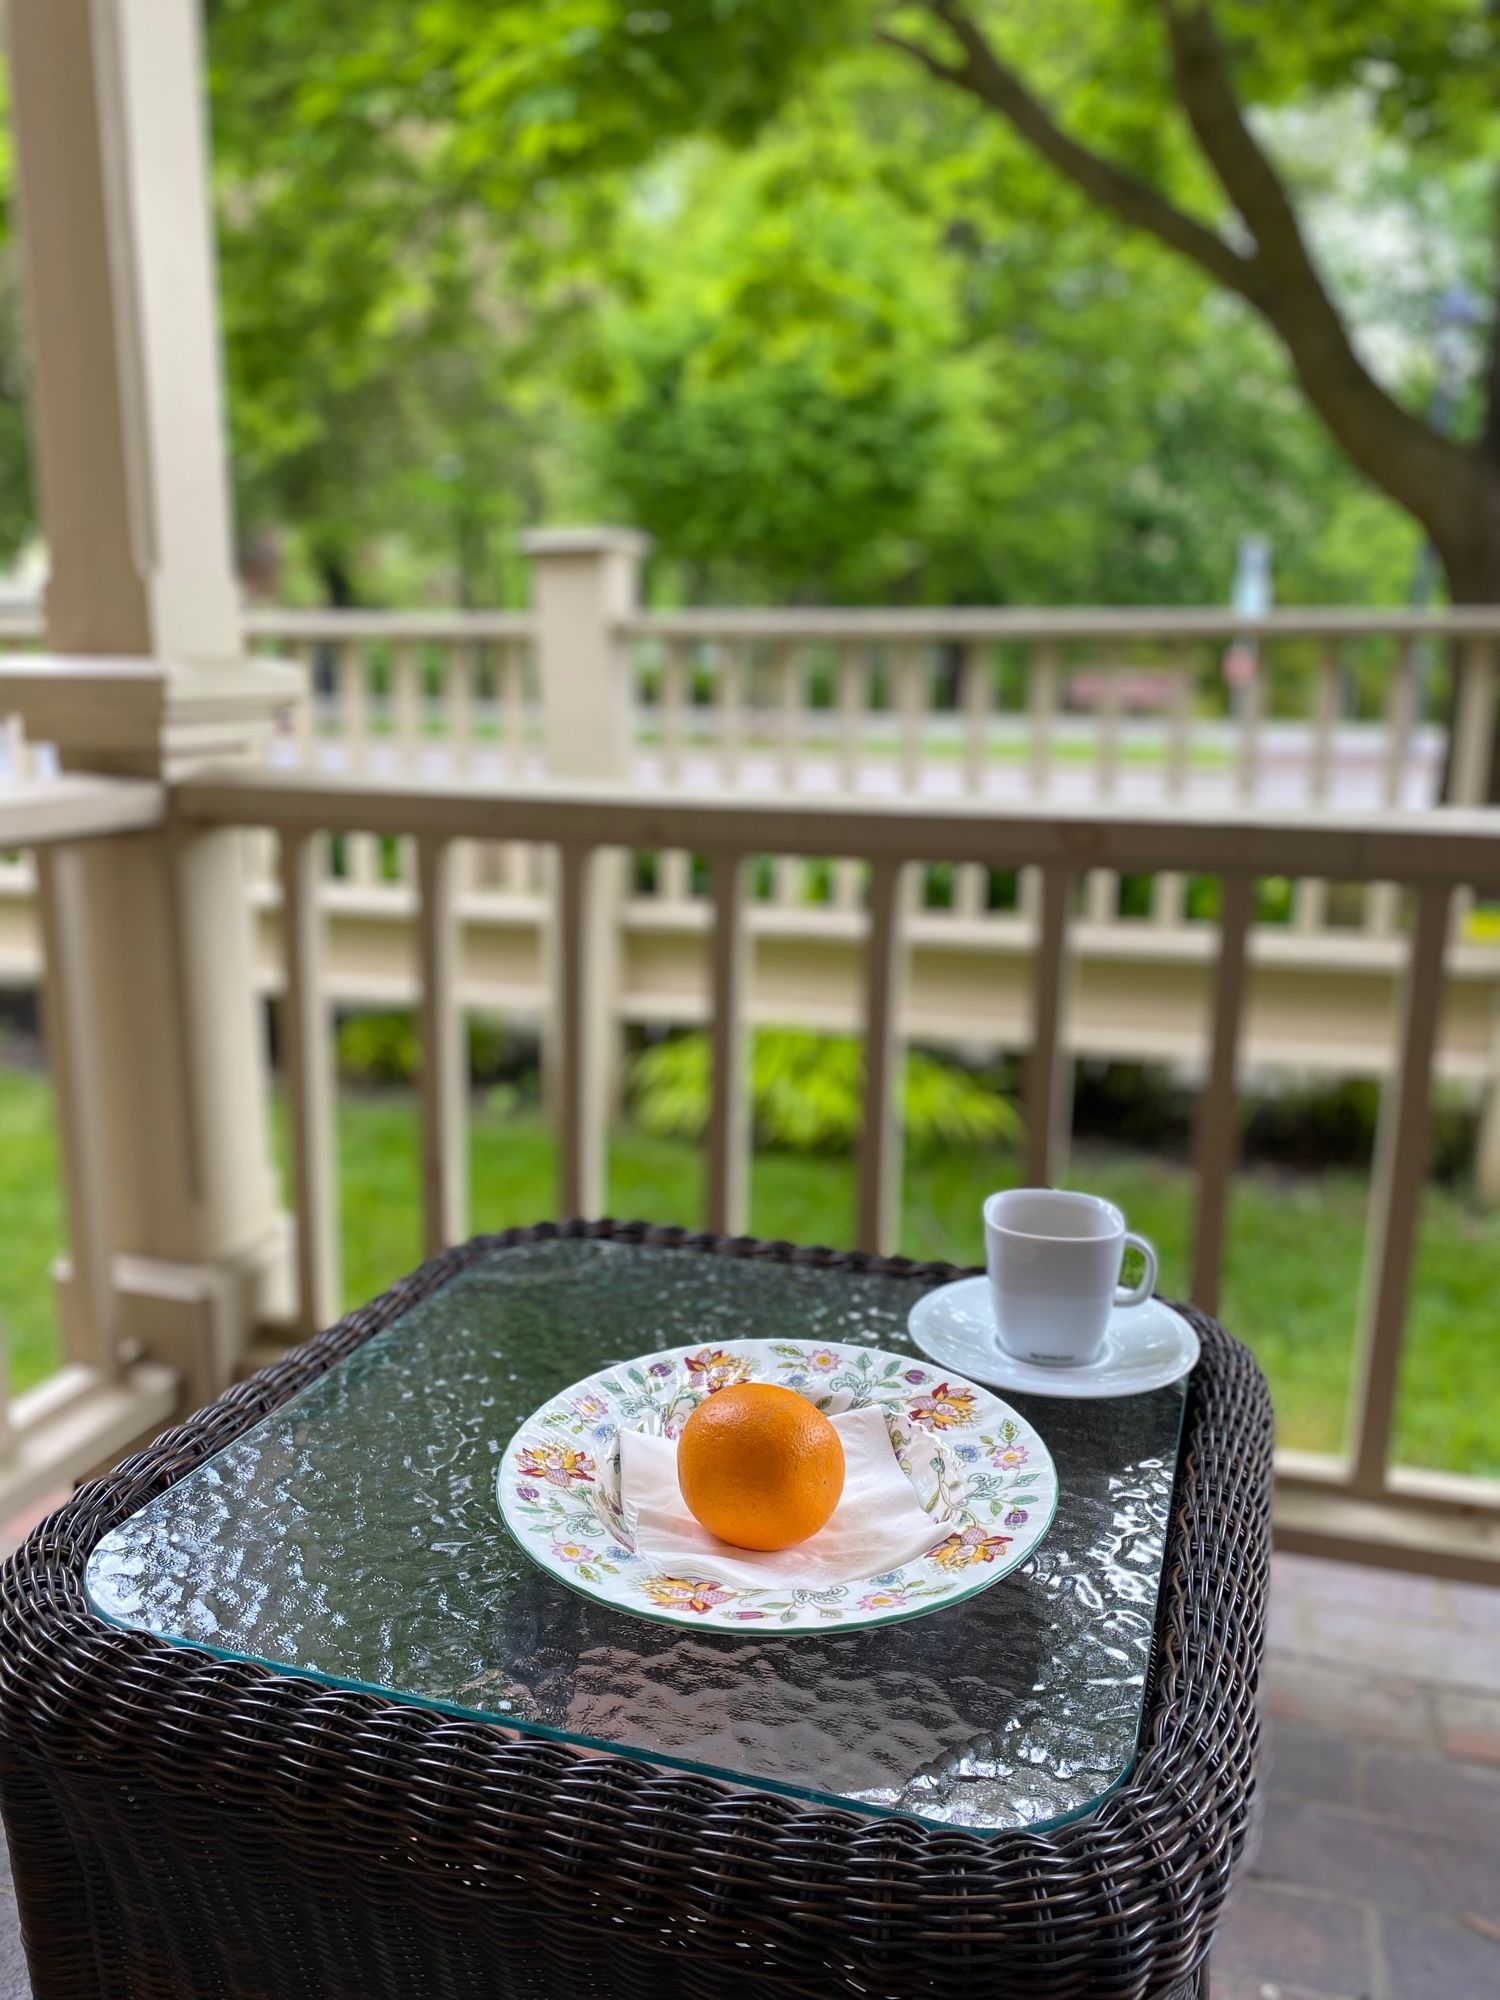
(878, 1524)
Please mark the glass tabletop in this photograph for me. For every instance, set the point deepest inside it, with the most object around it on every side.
(354, 1536)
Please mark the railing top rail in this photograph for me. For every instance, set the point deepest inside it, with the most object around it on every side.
(1046, 623)
(1450, 846)
(1061, 623)
(869, 626)
(41, 812)
(410, 626)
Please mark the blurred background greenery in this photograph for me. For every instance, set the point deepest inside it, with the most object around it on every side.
(745, 278)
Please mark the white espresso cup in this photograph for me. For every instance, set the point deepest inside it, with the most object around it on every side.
(1054, 1262)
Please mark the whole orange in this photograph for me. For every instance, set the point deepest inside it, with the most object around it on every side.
(759, 1466)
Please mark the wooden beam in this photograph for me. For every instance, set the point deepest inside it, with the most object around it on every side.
(1415, 847)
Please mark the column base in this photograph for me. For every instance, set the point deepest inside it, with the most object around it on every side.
(197, 1319)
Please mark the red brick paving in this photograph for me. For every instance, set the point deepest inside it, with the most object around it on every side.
(1378, 1873)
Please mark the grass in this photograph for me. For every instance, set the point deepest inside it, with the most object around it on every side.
(1292, 1274)
(948, 749)
(31, 1231)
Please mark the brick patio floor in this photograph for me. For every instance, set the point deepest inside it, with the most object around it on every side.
(1378, 1876)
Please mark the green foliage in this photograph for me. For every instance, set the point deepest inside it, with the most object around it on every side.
(826, 329)
(383, 319)
(770, 386)
(378, 1048)
(734, 271)
(837, 366)
(384, 1048)
(17, 520)
(807, 1094)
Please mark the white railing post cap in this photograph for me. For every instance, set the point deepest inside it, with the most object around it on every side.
(597, 541)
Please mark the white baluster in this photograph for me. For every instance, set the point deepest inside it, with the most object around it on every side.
(885, 986)
(309, 1084)
(1310, 897)
(972, 894)
(729, 1105)
(674, 867)
(1396, 1192)
(583, 1134)
(1049, 1091)
(1218, 1124)
(1169, 886)
(445, 1066)
(1383, 899)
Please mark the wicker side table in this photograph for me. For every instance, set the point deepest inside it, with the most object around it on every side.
(187, 1826)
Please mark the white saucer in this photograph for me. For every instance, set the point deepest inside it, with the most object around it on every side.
(1146, 1346)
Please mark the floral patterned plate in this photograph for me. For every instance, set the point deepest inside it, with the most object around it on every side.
(978, 1467)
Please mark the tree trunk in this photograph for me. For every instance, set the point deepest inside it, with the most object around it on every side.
(1471, 569)
(336, 575)
(332, 566)
(1469, 548)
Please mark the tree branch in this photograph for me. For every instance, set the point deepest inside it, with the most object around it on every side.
(1394, 448)
(983, 75)
(1433, 477)
(945, 72)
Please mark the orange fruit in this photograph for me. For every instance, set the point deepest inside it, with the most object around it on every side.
(759, 1466)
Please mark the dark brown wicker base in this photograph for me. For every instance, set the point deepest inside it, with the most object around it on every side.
(183, 1828)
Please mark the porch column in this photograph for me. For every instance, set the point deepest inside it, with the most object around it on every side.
(158, 1057)
(582, 581)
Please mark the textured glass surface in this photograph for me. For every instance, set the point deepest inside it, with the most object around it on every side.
(354, 1536)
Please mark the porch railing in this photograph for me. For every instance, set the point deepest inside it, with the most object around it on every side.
(811, 780)
(1345, 711)
(1355, 1504)
(103, 1396)
(1335, 709)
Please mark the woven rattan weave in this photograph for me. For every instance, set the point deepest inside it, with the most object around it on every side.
(189, 1827)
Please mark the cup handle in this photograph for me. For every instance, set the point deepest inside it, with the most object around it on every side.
(1137, 1295)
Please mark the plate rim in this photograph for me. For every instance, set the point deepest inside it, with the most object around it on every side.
(695, 1622)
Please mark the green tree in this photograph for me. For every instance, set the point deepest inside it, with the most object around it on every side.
(390, 335)
(1429, 67)
(833, 367)
(774, 385)
(1172, 95)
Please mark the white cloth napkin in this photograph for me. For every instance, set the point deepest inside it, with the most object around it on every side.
(877, 1525)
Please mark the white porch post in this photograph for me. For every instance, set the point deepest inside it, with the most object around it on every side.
(144, 676)
(583, 580)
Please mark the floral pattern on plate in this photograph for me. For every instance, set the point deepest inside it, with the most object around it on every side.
(979, 1469)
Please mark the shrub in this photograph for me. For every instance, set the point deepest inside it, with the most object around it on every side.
(807, 1094)
(384, 1048)
(378, 1048)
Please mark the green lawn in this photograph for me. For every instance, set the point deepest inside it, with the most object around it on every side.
(823, 739)
(1293, 1260)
